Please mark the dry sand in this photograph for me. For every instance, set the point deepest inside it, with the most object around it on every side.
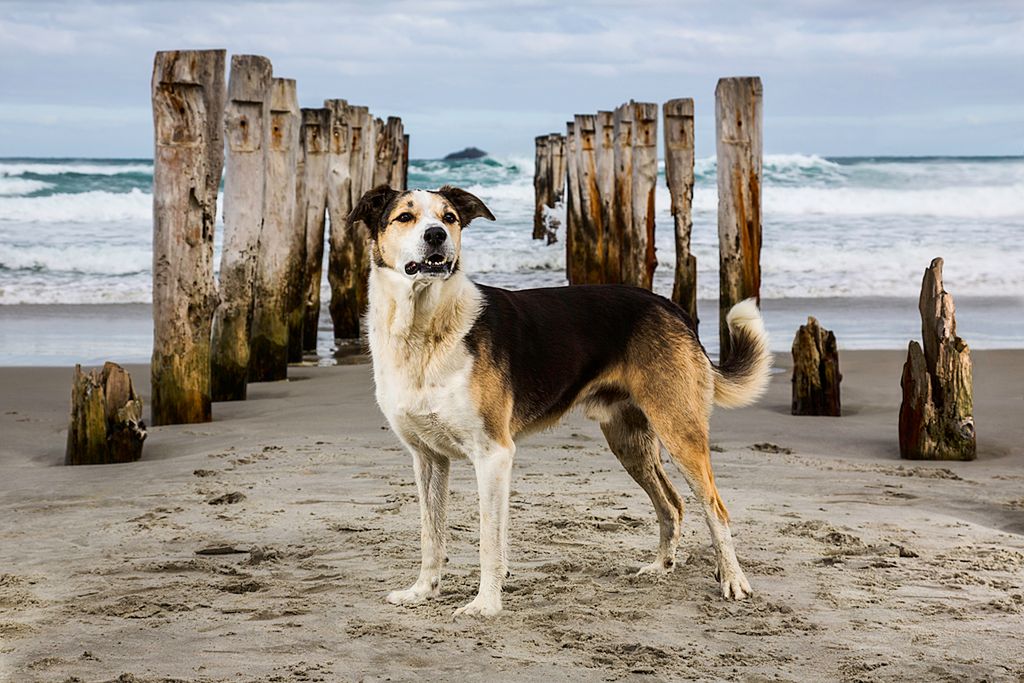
(865, 567)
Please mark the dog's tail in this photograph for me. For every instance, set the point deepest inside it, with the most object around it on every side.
(743, 377)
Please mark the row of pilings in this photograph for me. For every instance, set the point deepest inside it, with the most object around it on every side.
(607, 164)
(285, 171)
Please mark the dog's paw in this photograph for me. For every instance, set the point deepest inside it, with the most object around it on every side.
(734, 584)
(479, 607)
(414, 594)
(657, 568)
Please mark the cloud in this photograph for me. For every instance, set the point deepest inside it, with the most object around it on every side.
(524, 67)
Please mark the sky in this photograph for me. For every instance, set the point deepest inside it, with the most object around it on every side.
(854, 78)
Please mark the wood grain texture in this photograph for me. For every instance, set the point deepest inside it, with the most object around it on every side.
(738, 127)
(188, 110)
(679, 176)
(816, 376)
(106, 418)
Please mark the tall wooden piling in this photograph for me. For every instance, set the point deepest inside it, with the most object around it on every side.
(638, 257)
(279, 239)
(556, 145)
(542, 180)
(575, 243)
(405, 162)
(316, 138)
(347, 264)
(590, 228)
(604, 154)
(339, 204)
(738, 121)
(246, 117)
(678, 117)
(622, 185)
(188, 110)
(396, 134)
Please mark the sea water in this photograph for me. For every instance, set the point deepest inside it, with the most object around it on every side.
(849, 237)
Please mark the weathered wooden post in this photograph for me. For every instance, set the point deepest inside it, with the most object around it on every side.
(639, 258)
(604, 152)
(106, 418)
(575, 244)
(937, 412)
(268, 358)
(541, 184)
(405, 162)
(396, 131)
(188, 112)
(738, 122)
(622, 202)
(816, 375)
(295, 275)
(678, 115)
(316, 138)
(384, 154)
(246, 117)
(590, 227)
(348, 265)
(339, 205)
(556, 184)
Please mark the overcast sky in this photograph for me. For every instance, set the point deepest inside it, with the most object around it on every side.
(862, 77)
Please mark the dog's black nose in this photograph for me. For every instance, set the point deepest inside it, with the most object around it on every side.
(435, 236)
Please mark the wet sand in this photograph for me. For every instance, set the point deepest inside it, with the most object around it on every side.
(865, 567)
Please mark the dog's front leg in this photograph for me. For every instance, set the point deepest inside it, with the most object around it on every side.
(493, 480)
(432, 487)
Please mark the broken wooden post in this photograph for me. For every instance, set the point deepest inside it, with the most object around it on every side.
(604, 152)
(188, 112)
(316, 136)
(575, 244)
(937, 412)
(739, 147)
(678, 116)
(268, 357)
(339, 204)
(246, 116)
(816, 375)
(106, 418)
(638, 251)
(622, 202)
(541, 184)
(348, 265)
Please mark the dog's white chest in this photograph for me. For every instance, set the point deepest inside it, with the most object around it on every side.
(430, 406)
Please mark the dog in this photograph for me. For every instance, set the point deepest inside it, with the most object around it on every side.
(462, 371)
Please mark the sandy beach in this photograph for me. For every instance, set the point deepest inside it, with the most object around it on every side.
(259, 547)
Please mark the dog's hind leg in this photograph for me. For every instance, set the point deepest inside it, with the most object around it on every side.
(634, 443)
(432, 487)
(687, 441)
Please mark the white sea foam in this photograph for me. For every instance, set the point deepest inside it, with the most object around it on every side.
(79, 258)
(97, 206)
(21, 186)
(21, 167)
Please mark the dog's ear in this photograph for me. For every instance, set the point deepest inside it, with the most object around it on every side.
(372, 207)
(467, 205)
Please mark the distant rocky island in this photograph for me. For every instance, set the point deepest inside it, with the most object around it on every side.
(468, 153)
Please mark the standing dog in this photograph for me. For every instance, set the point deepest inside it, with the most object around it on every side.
(463, 370)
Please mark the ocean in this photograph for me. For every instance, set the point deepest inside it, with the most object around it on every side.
(845, 239)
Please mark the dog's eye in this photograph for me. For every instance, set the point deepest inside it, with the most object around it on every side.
(450, 217)
(404, 217)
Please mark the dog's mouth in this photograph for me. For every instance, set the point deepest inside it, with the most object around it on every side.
(435, 264)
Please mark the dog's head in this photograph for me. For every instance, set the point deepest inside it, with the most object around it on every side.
(418, 232)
